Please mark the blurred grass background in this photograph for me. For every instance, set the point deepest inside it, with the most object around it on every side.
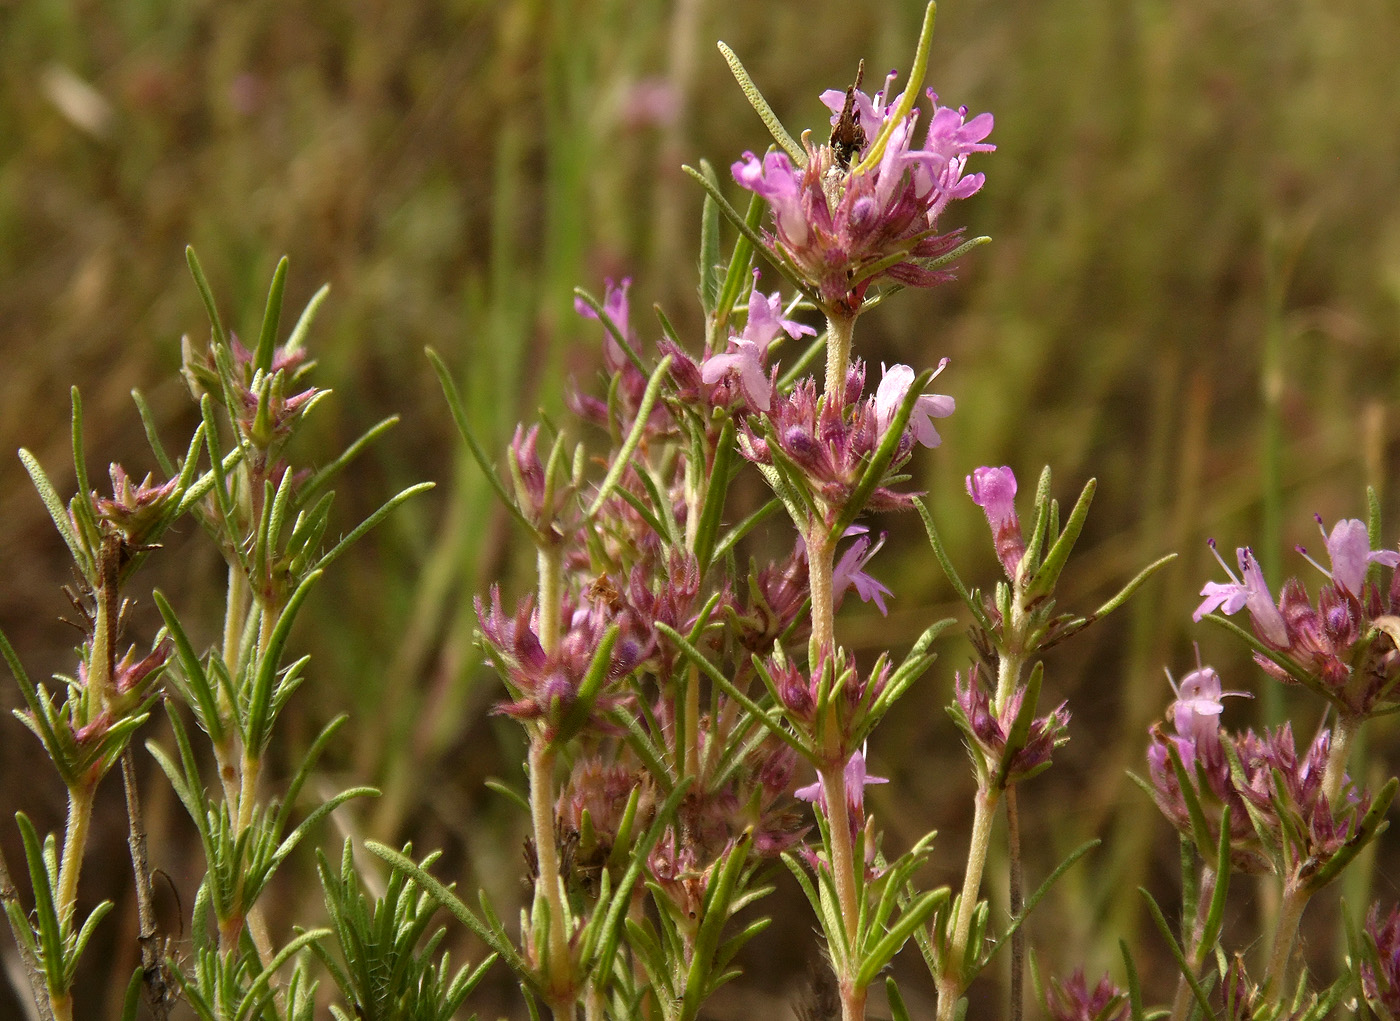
(1193, 294)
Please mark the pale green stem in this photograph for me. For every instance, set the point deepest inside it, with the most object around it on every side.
(839, 328)
(547, 859)
(843, 866)
(950, 985)
(74, 843)
(820, 555)
(692, 724)
(1290, 912)
(551, 594)
(236, 606)
(1342, 735)
(1195, 952)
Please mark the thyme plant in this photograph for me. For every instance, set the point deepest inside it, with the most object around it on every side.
(694, 715)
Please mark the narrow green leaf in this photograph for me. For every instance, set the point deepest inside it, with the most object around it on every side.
(1126, 592)
(712, 509)
(599, 671)
(148, 422)
(368, 523)
(914, 915)
(709, 257)
(738, 275)
(1039, 895)
(258, 722)
(488, 934)
(1134, 985)
(950, 572)
(197, 271)
(459, 416)
(898, 1011)
(634, 438)
(773, 725)
(622, 897)
(1215, 914)
(743, 528)
(324, 474)
(304, 321)
(907, 98)
(131, 1002)
(1372, 824)
(53, 503)
(765, 112)
(51, 927)
(1043, 582)
(272, 315)
(751, 234)
(1161, 922)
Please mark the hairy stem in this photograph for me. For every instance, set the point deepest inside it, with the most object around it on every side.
(1196, 951)
(1336, 770)
(820, 564)
(843, 865)
(550, 560)
(74, 843)
(547, 858)
(839, 328)
(950, 983)
(1290, 912)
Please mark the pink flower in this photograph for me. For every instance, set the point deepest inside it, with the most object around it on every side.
(895, 382)
(849, 571)
(747, 355)
(994, 490)
(1196, 711)
(1349, 549)
(1253, 593)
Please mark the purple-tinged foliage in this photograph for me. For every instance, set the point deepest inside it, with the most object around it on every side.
(1072, 1000)
(857, 778)
(134, 511)
(544, 686)
(830, 442)
(745, 363)
(1278, 810)
(842, 224)
(1380, 973)
(988, 731)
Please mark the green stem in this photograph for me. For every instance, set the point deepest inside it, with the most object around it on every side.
(821, 552)
(547, 888)
(74, 843)
(1196, 952)
(839, 328)
(1290, 912)
(1342, 736)
(843, 865)
(950, 984)
(550, 560)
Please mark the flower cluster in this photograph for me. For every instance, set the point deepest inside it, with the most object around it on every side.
(829, 443)
(1279, 810)
(1005, 747)
(1072, 1000)
(1346, 642)
(866, 205)
(1380, 970)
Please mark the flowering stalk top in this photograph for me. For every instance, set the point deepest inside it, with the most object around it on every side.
(865, 206)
